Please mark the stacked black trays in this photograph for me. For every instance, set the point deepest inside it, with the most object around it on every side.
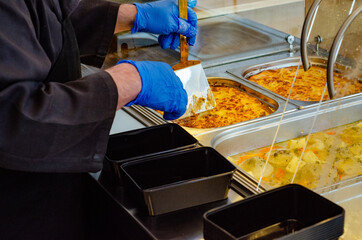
(165, 169)
(146, 142)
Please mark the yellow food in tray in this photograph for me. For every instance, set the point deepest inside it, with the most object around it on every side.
(330, 156)
(232, 106)
(308, 85)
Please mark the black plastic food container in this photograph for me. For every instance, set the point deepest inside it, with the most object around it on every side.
(288, 212)
(178, 180)
(150, 141)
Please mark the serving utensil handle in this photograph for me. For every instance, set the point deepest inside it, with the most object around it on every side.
(184, 46)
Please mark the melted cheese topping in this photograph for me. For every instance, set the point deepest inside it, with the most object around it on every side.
(232, 106)
(308, 85)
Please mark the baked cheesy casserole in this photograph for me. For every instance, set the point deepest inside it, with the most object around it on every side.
(308, 85)
(232, 106)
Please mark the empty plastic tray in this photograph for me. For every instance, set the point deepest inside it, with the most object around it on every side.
(178, 180)
(135, 144)
(288, 212)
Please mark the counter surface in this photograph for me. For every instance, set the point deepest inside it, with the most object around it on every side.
(182, 224)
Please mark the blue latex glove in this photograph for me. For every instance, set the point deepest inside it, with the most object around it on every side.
(162, 17)
(161, 89)
(191, 3)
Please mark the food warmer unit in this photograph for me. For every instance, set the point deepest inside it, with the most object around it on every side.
(249, 49)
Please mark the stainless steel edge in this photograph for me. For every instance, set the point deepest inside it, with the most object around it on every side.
(256, 92)
(340, 187)
(247, 182)
(144, 115)
(237, 58)
(226, 68)
(337, 109)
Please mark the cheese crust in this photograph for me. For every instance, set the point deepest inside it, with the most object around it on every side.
(232, 106)
(308, 85)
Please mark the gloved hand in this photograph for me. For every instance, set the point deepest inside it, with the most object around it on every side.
(162, 17)
(161, 89)
(191, 3)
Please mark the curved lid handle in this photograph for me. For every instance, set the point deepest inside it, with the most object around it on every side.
(309, 20)
(335, 49)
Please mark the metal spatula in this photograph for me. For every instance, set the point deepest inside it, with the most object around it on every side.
(192, 75)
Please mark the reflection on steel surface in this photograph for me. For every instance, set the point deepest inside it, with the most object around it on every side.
(225, 38)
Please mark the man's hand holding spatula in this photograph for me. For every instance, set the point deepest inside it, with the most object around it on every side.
(161, 88)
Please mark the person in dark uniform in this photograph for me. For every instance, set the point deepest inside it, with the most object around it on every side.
(54, 124)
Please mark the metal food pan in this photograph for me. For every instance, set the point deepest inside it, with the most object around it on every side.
(229, 38)
(295, 124)
(245, 71)
(178, 180)
(205, 136)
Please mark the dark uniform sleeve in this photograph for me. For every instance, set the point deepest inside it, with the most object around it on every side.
(94, 22)
(49, 126)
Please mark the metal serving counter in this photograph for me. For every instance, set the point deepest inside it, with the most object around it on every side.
(188, 223)
(249, 135)
(182, 224)
(248, 45)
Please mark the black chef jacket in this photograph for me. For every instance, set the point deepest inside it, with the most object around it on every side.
(45, 125)
(51, 130)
